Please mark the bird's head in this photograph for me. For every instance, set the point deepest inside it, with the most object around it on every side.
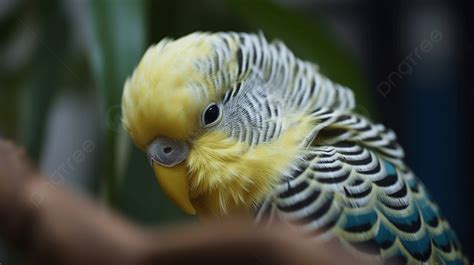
(213, 144)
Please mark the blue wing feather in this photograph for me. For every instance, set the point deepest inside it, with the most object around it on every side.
(373, 201)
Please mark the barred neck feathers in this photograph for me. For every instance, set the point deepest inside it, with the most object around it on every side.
(240, 57)
(268, 96)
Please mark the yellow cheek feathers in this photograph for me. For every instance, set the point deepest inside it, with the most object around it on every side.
(173, 180)
(226, 174)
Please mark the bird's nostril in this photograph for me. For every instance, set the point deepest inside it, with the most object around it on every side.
(167, 150)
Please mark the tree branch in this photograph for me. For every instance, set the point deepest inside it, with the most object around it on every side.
(53, 226)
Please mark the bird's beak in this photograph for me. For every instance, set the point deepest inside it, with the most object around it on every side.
(166, 157)
(173, 181)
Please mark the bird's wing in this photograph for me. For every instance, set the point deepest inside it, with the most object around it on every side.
(351, 184)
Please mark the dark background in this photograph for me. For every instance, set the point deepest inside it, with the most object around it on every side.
(63, 64)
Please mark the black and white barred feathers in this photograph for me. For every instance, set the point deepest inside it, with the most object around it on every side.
(350, 182)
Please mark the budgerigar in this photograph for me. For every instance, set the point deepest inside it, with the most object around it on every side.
(232, 123)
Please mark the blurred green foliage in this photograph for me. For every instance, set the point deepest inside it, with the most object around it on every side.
(117, 43)
(116, 35)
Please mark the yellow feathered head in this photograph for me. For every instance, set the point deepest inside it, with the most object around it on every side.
(203, 107)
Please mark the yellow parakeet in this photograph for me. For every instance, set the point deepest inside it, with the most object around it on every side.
(233, 123)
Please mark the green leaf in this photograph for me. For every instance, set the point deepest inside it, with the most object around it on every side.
(46, 72)
(118, 41)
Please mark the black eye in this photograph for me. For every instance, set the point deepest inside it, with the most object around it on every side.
(211, 114)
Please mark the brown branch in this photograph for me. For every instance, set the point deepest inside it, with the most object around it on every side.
(53, 226)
